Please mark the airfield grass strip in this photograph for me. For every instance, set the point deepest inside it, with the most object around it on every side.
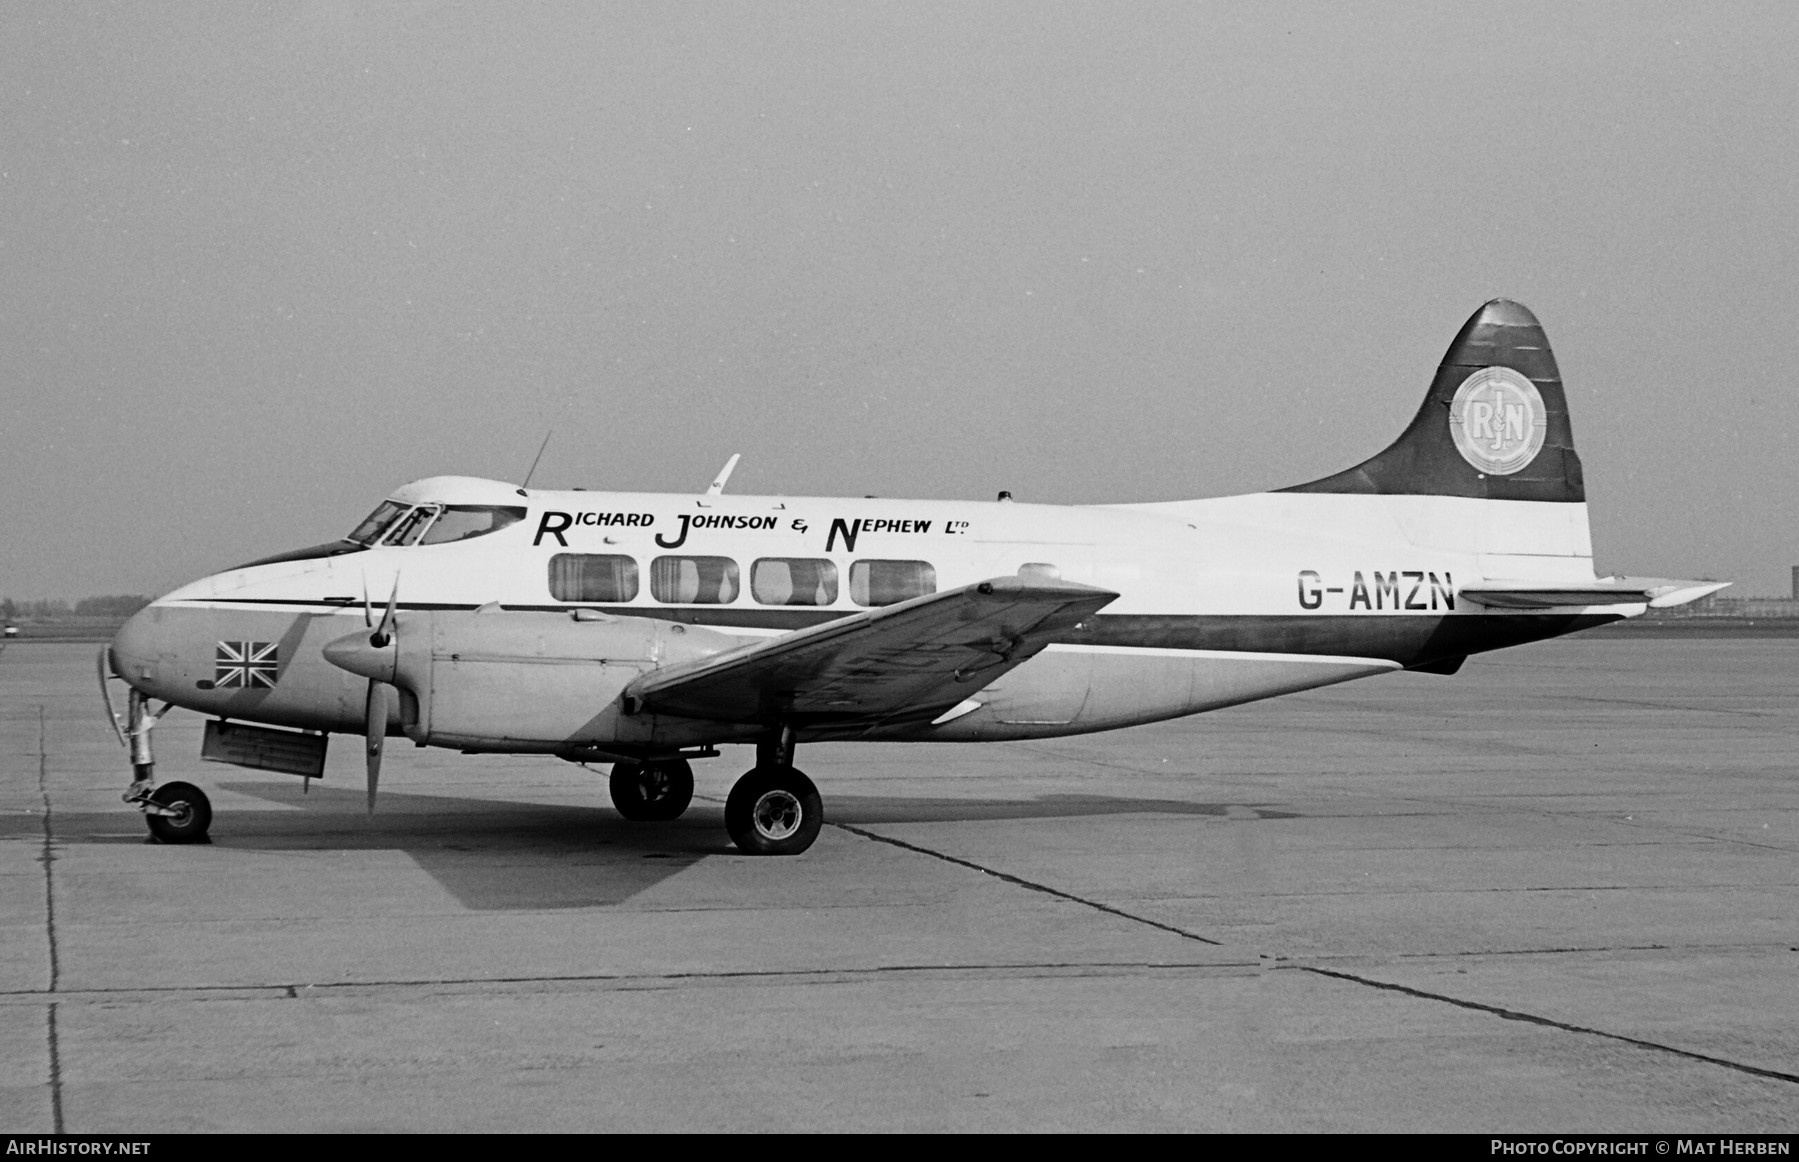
(1547, 1022)
(1030, 884)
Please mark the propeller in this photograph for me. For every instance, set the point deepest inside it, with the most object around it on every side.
(375, 655)
(385, 631)
(375, 707)
(376, 710)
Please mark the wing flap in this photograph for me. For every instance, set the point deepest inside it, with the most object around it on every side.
(914, 659)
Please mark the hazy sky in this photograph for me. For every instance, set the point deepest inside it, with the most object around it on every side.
(262, 263)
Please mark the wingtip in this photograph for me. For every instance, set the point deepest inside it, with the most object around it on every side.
(1040, 584)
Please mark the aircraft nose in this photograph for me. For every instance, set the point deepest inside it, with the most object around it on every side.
(357, 654)
(137, 645)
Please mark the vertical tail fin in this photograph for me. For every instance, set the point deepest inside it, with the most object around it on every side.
(1494, 425)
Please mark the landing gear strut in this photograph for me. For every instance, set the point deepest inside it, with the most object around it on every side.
(774, 809)
(176, 812)
(652, 791)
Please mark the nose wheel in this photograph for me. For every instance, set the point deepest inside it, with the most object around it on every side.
(774, 810)
(178, 813)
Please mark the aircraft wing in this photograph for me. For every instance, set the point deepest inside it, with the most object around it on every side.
(910, 660)
(1655, 592)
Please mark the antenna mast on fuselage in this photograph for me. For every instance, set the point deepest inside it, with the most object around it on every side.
(718, 482)
(533, 470)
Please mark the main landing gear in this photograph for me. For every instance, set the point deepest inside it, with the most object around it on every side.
(175, 812)
(772, 810)
(654, 791)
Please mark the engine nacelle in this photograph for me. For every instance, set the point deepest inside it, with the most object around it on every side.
(499, 680)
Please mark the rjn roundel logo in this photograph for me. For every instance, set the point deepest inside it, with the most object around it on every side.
(1498, 420)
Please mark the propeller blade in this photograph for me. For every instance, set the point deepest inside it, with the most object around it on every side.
(375, 728)
(384, 632)
(368, 612)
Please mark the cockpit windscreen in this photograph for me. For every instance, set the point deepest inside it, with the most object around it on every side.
(395, 524)
(370, 530)
(459, 522)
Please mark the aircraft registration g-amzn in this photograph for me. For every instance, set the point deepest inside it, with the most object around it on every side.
(645, 630)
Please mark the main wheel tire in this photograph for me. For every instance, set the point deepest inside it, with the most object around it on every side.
(192, 818)
(774, 811)
(652, 792)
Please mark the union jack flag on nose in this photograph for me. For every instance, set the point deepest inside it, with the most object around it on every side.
(247, 665)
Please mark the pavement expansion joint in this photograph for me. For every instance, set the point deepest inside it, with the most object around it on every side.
(1660, 831)
(628, 981)
(1697, 949)
(1032, 885)
(47, 859)
(1282, 963)
(55, 1047)
(47, 854)
(1675, 706)
(1546, 1022)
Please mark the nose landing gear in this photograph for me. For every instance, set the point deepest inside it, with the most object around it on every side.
(175, 812)
(178, 813)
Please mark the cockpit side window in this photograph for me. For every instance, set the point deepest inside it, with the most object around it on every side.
(370, 530)
(410, 527)
(459, 522)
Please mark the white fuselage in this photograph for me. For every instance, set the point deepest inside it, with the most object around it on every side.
(1220, 601)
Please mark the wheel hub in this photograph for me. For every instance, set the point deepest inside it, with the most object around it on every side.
(777, 814)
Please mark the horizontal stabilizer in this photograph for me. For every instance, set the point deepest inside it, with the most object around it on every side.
(1655, 592)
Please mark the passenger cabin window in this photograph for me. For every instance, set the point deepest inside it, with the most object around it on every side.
(694, 580)
(889, 582)
(793, 581)
(592, 577)
(459, 522)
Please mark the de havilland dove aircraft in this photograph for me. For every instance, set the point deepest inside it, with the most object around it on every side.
(645, 630)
